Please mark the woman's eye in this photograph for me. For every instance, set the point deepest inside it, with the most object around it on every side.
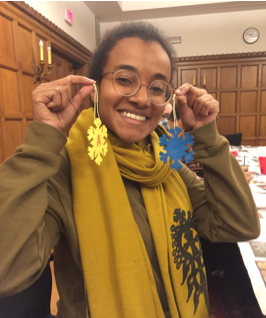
(124, 81)
(157, 90)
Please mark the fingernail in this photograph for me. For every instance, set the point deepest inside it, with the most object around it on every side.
(89, 79)
(178, 91)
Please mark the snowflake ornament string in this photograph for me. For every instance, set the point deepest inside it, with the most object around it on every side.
(175, 148)
(97, 135)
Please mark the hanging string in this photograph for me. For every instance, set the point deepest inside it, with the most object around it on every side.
(96, 104)
(174, 112)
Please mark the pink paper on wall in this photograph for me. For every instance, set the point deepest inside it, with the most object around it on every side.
(68, 17)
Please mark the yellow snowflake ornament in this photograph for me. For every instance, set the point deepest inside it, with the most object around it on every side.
(97, 138)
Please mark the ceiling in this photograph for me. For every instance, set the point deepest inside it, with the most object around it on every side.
(115, 11)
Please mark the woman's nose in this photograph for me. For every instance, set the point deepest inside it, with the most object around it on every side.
(141, 96)
(168, 108)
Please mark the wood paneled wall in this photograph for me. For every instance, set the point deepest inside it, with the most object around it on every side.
(21, 29)
(238, 82)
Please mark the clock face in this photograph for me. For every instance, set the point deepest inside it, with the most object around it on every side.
(251, 35)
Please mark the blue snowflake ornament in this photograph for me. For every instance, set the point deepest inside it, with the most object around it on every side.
(175, 148)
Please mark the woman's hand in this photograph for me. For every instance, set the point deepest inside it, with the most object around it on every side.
(247, 173)
(53, 104)
(195, 106)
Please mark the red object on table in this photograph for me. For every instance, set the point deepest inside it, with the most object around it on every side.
(262, 161)
(234, 153)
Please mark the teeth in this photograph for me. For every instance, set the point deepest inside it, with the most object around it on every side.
(133, 116)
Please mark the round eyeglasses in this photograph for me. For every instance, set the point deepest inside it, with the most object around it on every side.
(127, 83)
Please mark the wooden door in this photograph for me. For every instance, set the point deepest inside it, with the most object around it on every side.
(21, 29)
(17, 58)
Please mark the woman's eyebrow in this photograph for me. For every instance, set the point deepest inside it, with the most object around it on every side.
(133, 69)
(127, 67)
(161, 76)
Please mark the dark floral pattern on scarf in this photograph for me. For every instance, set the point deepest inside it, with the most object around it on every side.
(187, 253)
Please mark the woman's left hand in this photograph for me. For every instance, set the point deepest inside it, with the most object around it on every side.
(195, 106)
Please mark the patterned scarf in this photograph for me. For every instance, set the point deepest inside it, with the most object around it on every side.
(117, 271)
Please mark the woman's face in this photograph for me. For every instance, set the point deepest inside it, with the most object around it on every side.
(151, 62)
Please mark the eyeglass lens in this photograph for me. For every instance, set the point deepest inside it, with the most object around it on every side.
(127, 83)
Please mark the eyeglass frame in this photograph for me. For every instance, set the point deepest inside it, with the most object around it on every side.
(113, 72)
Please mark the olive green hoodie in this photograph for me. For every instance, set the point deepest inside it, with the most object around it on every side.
(36, 211)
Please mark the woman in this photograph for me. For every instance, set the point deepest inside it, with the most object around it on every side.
(129, 246)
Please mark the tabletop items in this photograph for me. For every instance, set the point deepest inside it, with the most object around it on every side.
(254, 251)
(254, 157)
(262, 161)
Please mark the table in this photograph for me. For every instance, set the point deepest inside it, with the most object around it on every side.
(254, 252)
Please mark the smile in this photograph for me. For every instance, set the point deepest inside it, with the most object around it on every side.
(133, 116)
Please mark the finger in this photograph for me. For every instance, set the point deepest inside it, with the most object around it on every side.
(249, 178)
(209, 107)
(66, 95)
(60, 99)
(68, 84)
(76, 79)
(68, 81)
(46, 95)
(71, 80)
(183, 89)
(244, 168)
(193, 94)
(187, 87)
(202, 105)
(182, 104)
(77, 100)
(56, 99)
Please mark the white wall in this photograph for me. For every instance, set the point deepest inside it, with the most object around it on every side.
(143, 5)
(83, 28)
(218, 33)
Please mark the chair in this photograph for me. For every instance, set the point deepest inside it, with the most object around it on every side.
(234, 139)
(33, 302)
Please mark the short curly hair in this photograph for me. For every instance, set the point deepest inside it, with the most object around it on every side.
(143, 30)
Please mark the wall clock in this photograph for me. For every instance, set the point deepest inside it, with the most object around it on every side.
(251, 35)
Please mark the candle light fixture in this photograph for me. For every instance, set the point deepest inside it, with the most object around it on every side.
(204, 81)
(39, 75)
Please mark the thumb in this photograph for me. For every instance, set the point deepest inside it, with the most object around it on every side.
(82, 93)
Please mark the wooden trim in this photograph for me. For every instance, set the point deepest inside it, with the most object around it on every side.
(220, 57)
(24, 7)
(15, 115)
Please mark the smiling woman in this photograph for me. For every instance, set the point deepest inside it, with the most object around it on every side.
(125, 233)
(150, 63)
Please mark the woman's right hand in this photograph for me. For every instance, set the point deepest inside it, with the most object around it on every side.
(53, 104)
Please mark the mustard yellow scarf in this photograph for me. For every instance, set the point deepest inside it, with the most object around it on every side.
(117, 271)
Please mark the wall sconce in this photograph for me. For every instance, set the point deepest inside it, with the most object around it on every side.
(39, 75)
